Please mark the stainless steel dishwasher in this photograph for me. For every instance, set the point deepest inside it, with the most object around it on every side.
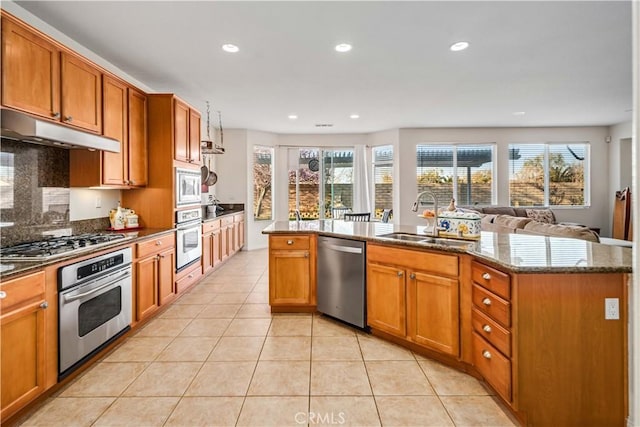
(341, 279)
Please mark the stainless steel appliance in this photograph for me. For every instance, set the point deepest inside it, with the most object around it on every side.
(341, 279)
(57, 247)
(94, 306)
(188, 237)
(188, 187)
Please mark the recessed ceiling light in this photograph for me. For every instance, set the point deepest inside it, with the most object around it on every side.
(292, 116)
(518, 113)
(343, 47)
(231, 48)
(458, 46)
(354, 116)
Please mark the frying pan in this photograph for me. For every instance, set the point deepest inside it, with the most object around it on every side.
(211, 177)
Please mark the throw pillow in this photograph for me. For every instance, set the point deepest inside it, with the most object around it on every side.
(542, 215)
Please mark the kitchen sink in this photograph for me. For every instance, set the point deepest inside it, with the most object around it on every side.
(426, 239)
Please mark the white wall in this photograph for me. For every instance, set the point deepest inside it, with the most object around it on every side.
(231, 168)
(620, 161)
(82, 203)
(596, 215)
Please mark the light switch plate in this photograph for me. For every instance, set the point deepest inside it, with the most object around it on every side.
(611, 308)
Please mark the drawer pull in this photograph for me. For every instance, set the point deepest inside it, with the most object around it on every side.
(68, 118)
(3, 294)
(190, 276)
(44, 305)
(289, 242)
(306, 254)
(486, 276)
(158, 242)
(486, 328)
(400, 273)
(412, 276)
(486, 354)
(486, 302)
(55, 115)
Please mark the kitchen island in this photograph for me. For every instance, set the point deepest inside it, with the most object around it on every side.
(542, 320)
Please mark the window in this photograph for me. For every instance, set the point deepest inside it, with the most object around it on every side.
(382, 179)
(553, 174)
(262, 183)
(462, 172)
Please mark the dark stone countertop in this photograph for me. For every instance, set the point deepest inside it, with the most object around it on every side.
(518, 253)
(10, 268)
(229, 211)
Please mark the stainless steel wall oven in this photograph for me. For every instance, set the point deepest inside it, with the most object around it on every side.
(188, 237)
(94, 308)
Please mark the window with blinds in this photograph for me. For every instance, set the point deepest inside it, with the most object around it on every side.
(461, 172)
(262, 183)
(382, 174)
(549, 174)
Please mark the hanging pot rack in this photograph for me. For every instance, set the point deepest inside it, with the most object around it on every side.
(208, 146)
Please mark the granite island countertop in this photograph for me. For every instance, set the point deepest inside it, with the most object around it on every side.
(9, 268)
(519, 253)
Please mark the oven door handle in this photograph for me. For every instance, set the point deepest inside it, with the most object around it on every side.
(68, 298)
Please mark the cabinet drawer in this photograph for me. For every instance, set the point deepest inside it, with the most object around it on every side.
(491, 331)
(293, 242)
(189, 278)
(22, 290)
(491, 304)
(492, 279)
(210, 226)
(225, 221)
(493, 366)
(153, 246)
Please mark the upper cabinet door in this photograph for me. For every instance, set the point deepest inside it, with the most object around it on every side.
(114, 165)
(194, 136)
(30, 72)
(137, 138)
(81, 94)
(181, 131)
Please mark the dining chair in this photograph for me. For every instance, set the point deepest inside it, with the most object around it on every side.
(360, 217)
(338, 213)
(386, 215)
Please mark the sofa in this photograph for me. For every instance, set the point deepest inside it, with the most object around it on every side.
(505, 219)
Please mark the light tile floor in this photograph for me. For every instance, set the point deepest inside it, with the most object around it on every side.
(218, 357)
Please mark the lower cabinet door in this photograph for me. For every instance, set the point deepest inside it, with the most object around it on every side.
(147, 287)
(386, 299)
(290, 278)
(23, 357)
(433, 312)
(166, 268)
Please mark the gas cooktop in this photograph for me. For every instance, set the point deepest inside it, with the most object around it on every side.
(56, 247)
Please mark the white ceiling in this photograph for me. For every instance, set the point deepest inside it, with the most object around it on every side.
(563, 63)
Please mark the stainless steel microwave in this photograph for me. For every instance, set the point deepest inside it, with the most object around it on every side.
(188, 183)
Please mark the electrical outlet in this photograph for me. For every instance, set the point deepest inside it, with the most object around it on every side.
(98, 202)
(611, 308)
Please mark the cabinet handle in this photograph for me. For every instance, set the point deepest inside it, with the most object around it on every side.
(486, 354)
(158, 242)
(68, 118)
(289, 242)
(486, 302)
(400, 273)
(486, 276)
(486, 328)
(3, 294)
(55, 115)
(412, 276)
(161, 256)
(131, 182)
(44, 305)
(306, 254)
(190, 276)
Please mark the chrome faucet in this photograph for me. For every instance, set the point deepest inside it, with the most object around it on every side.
(414, 208)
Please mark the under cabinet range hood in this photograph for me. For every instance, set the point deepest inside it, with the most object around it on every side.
(22, 127)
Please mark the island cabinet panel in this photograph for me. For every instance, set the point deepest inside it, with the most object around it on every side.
(23, 340)
(30, 71)
(292, 273)
(386, 299)
(415, 295)
(570, 360)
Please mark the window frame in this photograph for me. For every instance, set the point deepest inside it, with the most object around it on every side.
(271, 186)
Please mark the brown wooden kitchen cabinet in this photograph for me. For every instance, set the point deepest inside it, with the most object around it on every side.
(211, 256)
(81, 96)
(186, 133)
(125, 119)
(154, 267)
(226, 237)
(292, 272)
(22, 351)
(238, 231)
(414, 295)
